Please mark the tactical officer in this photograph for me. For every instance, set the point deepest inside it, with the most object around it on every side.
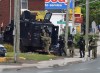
(43, 32)
(93, 47)
(61, 46)
(81, 45)
(46, 41)
(70, 46)
(90, 48)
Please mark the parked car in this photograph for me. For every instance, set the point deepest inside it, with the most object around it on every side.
(3, 51)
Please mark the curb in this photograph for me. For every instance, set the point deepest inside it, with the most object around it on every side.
(37, 66)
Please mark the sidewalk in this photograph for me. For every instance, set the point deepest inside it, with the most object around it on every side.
(98, 48)
(51, 63)
(45, 64)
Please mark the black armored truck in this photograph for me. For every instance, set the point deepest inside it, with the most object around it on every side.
(30, 32)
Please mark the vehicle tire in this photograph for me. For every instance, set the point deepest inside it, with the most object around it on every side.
(3, 55)
(23, 49)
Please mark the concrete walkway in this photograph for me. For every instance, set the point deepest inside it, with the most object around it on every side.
(98, 48)
(45, 64)
(51, 63)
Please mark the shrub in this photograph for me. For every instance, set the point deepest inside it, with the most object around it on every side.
(95, 36)
(76, 39)
(77, 36)
(9, 47)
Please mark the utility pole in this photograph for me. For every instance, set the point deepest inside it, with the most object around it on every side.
(73, 15)
(87, 23)
(66, 27)
(10, 12)
(16, 29)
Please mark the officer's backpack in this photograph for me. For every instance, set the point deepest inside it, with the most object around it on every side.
(82, 43)
(70, 41)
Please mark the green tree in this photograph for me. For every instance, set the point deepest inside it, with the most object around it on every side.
(94, 10)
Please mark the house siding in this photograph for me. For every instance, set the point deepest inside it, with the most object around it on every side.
(36, 5)
(5, 9)
(4, 12)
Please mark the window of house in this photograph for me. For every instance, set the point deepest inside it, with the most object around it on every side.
(24, 4)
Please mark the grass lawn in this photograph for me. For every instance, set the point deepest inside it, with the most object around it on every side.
(32, 56)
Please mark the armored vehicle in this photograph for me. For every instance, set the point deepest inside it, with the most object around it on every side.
(30, 31)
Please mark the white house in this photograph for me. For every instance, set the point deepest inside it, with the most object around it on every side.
(56, 17)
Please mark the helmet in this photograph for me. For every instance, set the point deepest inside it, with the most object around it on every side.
(93, 38)
(81, 38)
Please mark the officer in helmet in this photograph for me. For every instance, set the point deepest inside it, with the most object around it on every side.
(93, 47)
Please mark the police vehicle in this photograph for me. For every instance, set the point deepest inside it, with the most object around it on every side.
(30, 31)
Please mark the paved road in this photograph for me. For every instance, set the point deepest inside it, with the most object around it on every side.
(92, 66)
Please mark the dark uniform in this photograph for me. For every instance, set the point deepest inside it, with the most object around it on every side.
(61, 46)
(93, 47)
(81, 45)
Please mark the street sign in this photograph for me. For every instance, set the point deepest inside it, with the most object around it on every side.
(78, 27)
(61, 22)
(73, 30)
(57, 4)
